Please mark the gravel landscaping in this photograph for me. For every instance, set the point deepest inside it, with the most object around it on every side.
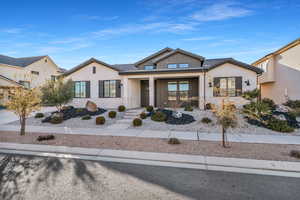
(239, 150)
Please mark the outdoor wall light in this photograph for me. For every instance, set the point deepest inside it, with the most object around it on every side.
(210, 84)
(247, 82)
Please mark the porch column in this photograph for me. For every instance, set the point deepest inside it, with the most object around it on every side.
(201, 91)
(126, 92)
(151, 91)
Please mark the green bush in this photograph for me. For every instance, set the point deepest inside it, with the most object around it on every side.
(143, 115)
(86, 117)
(295, 112)
(79, 110)
(251, 94)
(269, 102)
(293, 103)
(100, 120)
(159, 116)
(56, 120)
(137, 122)
(295, 153)
(206, 120)
(173, 141)
(279, 125)
(149, 108)
(112, 114)
(121, 108)
(188, 108)
(39, 115)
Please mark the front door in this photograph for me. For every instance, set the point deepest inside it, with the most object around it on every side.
(178, 92)
(144, 93)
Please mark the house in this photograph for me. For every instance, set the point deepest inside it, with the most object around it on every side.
(27, 72)
(162, 79)
(281, 77)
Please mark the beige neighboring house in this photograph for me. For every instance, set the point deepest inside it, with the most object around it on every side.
(165, 77)
(281, 77)
(28, 72)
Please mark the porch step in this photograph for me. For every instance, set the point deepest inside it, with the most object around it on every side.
(124, 121)
(130, 117)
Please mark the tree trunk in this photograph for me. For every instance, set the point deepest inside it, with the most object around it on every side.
(23, 121)
(223, 137)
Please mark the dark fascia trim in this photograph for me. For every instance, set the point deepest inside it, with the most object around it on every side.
(10, 80)
(182, 52)
(91, 60)
(153, 55)
(162, 71)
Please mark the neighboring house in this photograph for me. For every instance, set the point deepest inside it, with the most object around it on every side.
(281, 77)
(161, 79)
(28, 71)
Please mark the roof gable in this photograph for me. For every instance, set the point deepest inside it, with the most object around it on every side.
(164, 50)
(20, 62)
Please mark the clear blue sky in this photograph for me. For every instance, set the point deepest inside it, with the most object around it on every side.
(125, 31)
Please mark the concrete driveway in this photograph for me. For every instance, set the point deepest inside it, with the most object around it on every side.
(7, 116)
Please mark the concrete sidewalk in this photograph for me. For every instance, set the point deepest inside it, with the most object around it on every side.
(183, 135)
(266, 167)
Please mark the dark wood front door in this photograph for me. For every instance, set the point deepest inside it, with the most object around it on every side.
(144, 93)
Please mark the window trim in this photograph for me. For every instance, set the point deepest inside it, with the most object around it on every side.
(22, 83)
(85, 90)
(188, 65)
(115, 80)
(149, 66)
(172, 64)
(237, 94)
(178, 65)
(94, 70)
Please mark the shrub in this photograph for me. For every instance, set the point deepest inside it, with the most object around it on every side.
(295, 153)
(206, 120)
(79, 110)
(39, 115)
(137, 122)
(269, 102)
(251, 95)
(100, 120)
(149, 108)
(173, 141)
(293, 103)
(143, 115)
(112, 114)
(121, 108)
(45, 137)
(279, 125)
(159, 116)
(295, 112)
(86, 117)
(188, 108)
(56, 120)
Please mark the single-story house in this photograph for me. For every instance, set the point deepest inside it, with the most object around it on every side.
(163, 79)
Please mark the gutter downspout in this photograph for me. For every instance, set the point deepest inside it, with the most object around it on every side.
(204, 90)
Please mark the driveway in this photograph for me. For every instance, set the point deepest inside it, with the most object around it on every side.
(7, 116)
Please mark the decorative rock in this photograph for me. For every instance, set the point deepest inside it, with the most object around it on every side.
(57, 115)
(177, 114)
(280, 117)
(91, 106)
(298, 119)
(282, 108)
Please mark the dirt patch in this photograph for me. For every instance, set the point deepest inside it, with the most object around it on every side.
(208, 148)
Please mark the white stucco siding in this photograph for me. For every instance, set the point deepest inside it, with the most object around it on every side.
(102, 73)
(230, 70)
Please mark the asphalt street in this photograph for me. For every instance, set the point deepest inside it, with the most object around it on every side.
(36, 178)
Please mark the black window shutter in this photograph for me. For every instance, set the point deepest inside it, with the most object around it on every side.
(118, 88)
(74, 82)
(101, 89)
(216, 87)
(87, 89)
(238, 85)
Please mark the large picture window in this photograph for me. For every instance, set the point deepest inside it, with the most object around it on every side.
(227, 86)
(80, 89)
(178, 91)
(109, 88)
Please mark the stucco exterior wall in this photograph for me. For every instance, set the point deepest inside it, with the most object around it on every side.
(178, 58)
(102, 73)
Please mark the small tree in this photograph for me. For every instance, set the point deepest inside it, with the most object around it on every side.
(226, 114)
(23, 102)
(57, 93)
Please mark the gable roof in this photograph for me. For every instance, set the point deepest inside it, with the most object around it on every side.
(279, 51)
(10, 80)
(167, 49)
(20, 62)
(178, 51)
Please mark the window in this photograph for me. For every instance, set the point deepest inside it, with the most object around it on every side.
(80, 89)
(183, 90)
(35, 72)
(172, 91)
(110, 88)
(53, 78)
(26, 84)
(172, 66)
(148, 67)
(183, 65)
(227, 86)
(94, 70)
(178, 90)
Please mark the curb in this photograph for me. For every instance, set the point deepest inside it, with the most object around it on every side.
(240, 165)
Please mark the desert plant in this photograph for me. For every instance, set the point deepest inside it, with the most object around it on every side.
(159, 116)
(79, 110)
(295, 153)
(173, 141)
(56, 120)
(293, 103)
(137, 122)
(23, 102)
(45, 137)
(269, 102)
(149, 108)
(206, 120)
(257, 110)
(112, 114)
(39, 115)
(188, 108)
(121, 108)
(100, 120)
(295, 112)
(57, 93)
(143, 115)
(251, 95)
(86, 117)
(279, 125)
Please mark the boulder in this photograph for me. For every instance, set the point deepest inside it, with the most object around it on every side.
(177, 114)
(298, 119)
(91, 106)
(282, 108)
(280, 117)
(60, 115)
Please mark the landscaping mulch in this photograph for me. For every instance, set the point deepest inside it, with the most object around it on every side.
(208, 148)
